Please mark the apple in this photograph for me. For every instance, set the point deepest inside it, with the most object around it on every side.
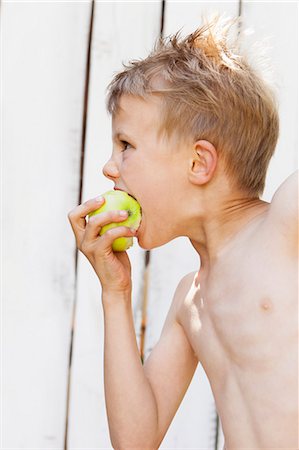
(115, 201)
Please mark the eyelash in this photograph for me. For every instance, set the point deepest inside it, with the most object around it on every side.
(124, 144)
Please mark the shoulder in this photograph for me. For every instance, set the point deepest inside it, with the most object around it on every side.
(284, 204)
(185, 283)
(283, 211)
(286, 196)
(179, 296)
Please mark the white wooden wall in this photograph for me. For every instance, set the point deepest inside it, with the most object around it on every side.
(43, 53)
(44, 49)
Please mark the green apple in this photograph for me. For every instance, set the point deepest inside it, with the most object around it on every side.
(116, 201)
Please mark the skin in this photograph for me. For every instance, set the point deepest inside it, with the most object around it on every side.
(237, 315)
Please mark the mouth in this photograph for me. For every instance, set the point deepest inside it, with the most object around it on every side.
(118, 189)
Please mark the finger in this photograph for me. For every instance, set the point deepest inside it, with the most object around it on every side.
(78, 214)
(95, 223)
(114, 233)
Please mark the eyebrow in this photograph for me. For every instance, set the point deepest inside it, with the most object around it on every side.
(119, 133)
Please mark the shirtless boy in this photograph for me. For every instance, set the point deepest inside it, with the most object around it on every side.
(195, 126)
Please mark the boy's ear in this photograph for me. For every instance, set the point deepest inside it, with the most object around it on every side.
(203, 164)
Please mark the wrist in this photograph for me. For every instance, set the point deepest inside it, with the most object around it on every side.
(112, 299)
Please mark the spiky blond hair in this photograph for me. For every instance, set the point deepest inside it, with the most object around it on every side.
(209, 91)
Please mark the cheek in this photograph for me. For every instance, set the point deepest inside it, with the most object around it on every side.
(151, 202)
(147, 182)
(131, 170)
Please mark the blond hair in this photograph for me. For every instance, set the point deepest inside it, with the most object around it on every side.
(208, 91)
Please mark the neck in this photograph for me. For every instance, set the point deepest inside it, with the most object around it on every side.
(220, 227)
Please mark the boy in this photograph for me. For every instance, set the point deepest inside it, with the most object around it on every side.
(194, 125)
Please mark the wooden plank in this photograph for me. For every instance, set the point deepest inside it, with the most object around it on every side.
(122, 31)
(43, 55)
(275, 25)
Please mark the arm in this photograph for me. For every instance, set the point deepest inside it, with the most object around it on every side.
(171, 365)
(141, 401)
(130, 404)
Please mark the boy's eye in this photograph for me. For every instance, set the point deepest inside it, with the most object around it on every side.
(125, 145)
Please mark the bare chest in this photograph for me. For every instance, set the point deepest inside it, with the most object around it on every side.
(247, 311)
(244, 331)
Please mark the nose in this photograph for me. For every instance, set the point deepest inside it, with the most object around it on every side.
(110, 170)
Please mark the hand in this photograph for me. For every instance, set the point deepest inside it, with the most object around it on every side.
(113, 269)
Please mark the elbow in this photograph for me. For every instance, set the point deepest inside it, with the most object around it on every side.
(135, 447)
(135, 444)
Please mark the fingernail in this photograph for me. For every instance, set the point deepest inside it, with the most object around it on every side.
(99, 199)
(123, 213)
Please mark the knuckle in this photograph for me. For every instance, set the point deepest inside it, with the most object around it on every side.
(116, 232)
(91, 219)
(111, 215)
(105, 217)
(86, 203)
(109, 233)
(96, 219)
(90, 203)
(71, 215)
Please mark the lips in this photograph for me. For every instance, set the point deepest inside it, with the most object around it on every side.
(118, 189)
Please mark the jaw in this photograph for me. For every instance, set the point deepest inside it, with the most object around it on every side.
(148, 238)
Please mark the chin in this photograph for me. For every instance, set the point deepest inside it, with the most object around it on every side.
(144, 244)
(148, 239)
(148, 243)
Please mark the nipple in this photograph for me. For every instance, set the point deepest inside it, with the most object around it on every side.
(266, 304)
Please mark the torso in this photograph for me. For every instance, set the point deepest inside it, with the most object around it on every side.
(242, 323)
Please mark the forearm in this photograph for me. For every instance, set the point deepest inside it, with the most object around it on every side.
(130, 402)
